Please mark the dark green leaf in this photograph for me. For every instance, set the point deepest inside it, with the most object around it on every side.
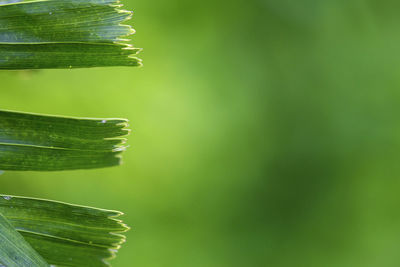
(64, 34)
(31, 142)
(14, 250)
(64, 234)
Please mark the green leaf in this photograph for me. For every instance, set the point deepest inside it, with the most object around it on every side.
(32, 142)
(65, 234)
(40, 34)
(14, 250)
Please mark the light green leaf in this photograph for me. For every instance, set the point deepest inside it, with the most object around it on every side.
(14, 250)
(32, 142)
(64, 234)
(64, 34)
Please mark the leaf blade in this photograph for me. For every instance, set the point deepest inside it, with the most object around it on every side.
(65, 234)
(64, 34)
(34, 142)
(14, 250)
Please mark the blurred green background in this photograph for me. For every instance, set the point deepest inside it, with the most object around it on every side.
(265, 133)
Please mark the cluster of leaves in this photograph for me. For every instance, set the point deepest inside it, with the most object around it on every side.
(39, 34)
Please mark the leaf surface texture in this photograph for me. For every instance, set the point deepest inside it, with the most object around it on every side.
(14, 250)
(32, 142)
(65, 234)
(64, 34)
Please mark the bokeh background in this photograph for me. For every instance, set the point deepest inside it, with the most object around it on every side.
(265, 133)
